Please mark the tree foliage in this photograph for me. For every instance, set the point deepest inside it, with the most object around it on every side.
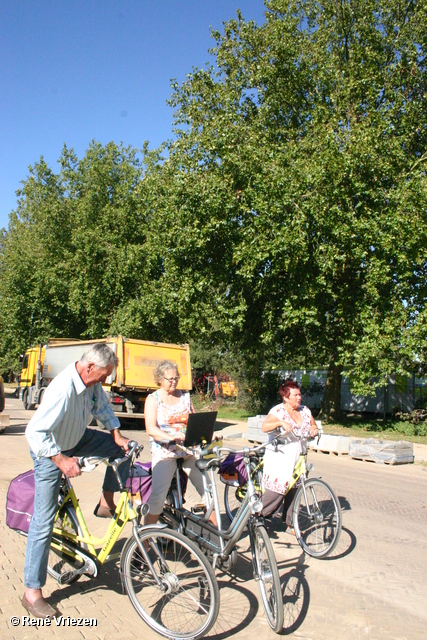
(75, 260)
(296, 204)
(287, 223)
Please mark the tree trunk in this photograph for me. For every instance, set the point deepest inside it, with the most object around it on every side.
(331, 404)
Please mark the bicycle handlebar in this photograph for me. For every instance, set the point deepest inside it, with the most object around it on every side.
(259, 449)
(88, 463)
(218, 451)
(246, 451)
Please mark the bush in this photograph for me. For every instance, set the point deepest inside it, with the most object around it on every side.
(414, 417)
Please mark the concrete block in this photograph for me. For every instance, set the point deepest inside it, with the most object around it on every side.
(382, 451)
(329, 443)
(256, 435)
(256, 421)
(255, 432)
(4, 421)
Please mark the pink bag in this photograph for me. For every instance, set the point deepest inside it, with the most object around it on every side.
(20, 502)
(140, 483)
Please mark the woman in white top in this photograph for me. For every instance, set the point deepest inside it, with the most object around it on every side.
(290, 416)
(166, 415)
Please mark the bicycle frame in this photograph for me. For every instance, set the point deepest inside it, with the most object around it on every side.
(124, 513)
(83, 546)
(220, 543)
(301, 468)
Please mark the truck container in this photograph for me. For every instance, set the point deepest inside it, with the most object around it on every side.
(129, 384)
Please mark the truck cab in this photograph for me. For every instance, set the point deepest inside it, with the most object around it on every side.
(31, 364)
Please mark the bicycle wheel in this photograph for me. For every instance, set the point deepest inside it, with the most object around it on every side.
(268, 578)
(234, 496)
(186, 602)
(317, 518)
(60, 562)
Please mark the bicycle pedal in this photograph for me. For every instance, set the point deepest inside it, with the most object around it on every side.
(198, 509)
(65, 577)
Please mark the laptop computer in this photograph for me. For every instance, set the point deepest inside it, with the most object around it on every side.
(200, 428)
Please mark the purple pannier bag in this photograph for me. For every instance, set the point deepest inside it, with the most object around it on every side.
(20, 502)
(233, 470)
(141, 481)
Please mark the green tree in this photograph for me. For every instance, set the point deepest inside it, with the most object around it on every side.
(293, 202)
(287, 223)
(32, 297)
(74, 260)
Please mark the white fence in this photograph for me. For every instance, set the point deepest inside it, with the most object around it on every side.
(403, 392)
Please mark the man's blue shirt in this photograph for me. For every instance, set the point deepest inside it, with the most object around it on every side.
(61, 420)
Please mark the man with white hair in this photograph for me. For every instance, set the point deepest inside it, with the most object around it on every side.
(58, 435)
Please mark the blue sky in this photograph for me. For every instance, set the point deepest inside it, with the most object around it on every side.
(73, 71)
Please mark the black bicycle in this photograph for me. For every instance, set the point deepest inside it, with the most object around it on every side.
(220, 546)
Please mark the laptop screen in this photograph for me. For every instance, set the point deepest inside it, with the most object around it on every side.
(200, 428)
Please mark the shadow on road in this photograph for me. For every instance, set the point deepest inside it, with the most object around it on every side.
(16, 429)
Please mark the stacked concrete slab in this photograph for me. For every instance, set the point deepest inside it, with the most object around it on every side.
(255, 432)
(382, 451)
(4, 421)
(328, 443)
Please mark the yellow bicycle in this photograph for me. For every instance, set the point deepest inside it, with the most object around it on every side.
(316, 513)
(168, 579)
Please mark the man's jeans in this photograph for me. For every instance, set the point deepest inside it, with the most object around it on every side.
(47, 482)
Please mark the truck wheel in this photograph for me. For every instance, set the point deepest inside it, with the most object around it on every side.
(25, 400)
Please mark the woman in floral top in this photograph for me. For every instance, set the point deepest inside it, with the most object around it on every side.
(166, 415)
(289, 416)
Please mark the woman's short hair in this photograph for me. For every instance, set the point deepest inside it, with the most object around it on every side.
(285, 388)
(162, 367)
(101, 355)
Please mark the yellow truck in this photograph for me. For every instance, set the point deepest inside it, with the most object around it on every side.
(130, 382)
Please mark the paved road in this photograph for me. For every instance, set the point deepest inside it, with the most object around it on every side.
(374, 587)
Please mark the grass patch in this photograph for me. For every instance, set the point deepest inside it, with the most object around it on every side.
(368, 430)
(227, 409)
(364, 426)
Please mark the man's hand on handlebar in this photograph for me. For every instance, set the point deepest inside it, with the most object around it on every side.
(69, 466)
(120, 440)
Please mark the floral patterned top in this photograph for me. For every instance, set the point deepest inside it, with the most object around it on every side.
(167, 418)
(302, 430)
(279, 464)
